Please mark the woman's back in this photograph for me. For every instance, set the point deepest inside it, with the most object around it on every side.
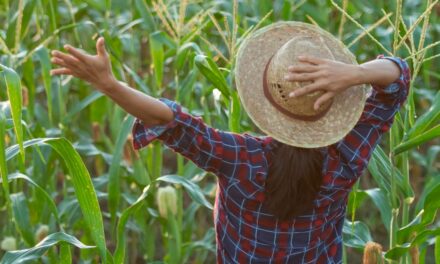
(245, 231)
(250, 233)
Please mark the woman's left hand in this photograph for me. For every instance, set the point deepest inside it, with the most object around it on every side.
(330, 76)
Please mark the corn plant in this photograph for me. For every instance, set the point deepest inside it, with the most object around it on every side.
(72, 187)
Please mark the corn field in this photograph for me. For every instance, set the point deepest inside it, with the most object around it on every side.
(73, 189)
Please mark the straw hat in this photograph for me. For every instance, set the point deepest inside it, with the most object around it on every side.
(262, 63)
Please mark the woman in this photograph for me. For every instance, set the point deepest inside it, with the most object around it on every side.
(281, 198)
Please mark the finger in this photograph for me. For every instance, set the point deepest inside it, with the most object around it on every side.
(305, 90)
(301, 77)
(100, 47)
(61, 71)
(68, 59)
(311, 60)
(303, 68)
(76, 53)
(62, 63)
(58, 62)
(321, 100)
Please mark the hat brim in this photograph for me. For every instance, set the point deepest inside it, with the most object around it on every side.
(252, 57)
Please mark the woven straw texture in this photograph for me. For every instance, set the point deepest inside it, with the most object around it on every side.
(286, 56)
(252, 58)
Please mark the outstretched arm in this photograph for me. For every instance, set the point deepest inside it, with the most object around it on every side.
(97, 71)
(223, 153)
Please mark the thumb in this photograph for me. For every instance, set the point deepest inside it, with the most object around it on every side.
(100, 47)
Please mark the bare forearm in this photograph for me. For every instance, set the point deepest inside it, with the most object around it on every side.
(380, 73)
(334, 77)
(148, 109)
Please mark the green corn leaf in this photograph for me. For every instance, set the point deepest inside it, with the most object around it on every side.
(381, 202)
(29, 81)
(48, 198)
(65, 253)
(119, 255)
(26, 17)
(50, 38)
(430, 184)
(432, 116)
(114, 192)
(9, 124)
(13, 150)
(20, 209)
(184, 54)
(174, 240)
(234, 113)
(380, 168)
(417, 140)
(355, 200)
(25, 255)
(437, 250)
(193, 190)
(424, 218)
(13, 86)
(150, 242)
(97, 4)
(205, 243)
(145, 13)
(130, 26)
(51, 6)
(431, 205)
(43, 55)
(138, 80)
(156, 161)
(356, 234)
(158, 55)
(211, 71)
(140, 173)
(404, 233)
(422, 235)
(84, 191)
(82, 183)
(383, 182)
(98, 111)
(95, 95)
(166, 40)
(186, 87)
(398, 251)
(3, 168)
(422, 254)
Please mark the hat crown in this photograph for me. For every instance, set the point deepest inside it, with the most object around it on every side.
(299, 107)
(264, 47)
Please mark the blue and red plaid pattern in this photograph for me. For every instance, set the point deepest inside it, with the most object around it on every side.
(245, 231)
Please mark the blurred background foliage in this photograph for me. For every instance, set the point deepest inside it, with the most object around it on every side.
(73, 188)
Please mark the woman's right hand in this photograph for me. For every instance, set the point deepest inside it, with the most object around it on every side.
(94, 69)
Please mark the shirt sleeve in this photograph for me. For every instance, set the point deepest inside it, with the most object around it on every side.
(225, 154)
(355, 150)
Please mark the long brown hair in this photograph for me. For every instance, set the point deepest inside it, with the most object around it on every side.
(293, 180)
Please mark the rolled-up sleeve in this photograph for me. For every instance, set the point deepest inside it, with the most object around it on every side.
(143, 135)
(377, 118)
(220, 152)
(396, 93)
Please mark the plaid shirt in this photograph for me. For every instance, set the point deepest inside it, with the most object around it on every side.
(245, 231)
